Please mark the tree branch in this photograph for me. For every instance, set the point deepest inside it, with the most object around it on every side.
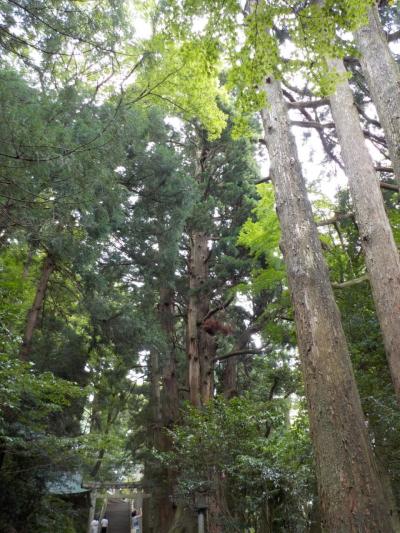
(221, 307)
(308, 104)
(381, 168)
(264, 180)
(275, 384)
(325, 141)
(351, 282)
(336, 218)
(312, 124)
(373, 137)
(367, 118)
(235, 353)
(393, 36)
(389, 186)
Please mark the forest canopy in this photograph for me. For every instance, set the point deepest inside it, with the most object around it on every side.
(199, 265)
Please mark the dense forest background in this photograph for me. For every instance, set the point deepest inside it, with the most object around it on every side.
(199, 267)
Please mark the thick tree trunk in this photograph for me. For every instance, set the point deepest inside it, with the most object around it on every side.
(163, 509)
(201, 345)
(170, 394)
(146, 507)
(200, 369)
(350, 491)
(33, 314)
(185, 521)
(389, 494)
(381, 255)
(229, 378)
(383, 77)
(155, 394)
(207, 347)
(154, 474)
(151, 483)
(266, 525)
(315, 518)
(217, 504)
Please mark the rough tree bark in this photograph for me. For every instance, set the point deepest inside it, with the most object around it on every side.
(151, 515)
(350, 491)
(197, 310)
(163, 509)
(381, 254)
(170, 394)
(151, 478)
(229, 378)
(34, 311)
(207, 348)
(200, 345)
(155, 394)
(383, 78)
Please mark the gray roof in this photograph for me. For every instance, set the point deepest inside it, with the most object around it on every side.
(66, 483)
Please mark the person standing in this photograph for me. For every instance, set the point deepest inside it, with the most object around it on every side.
(133, 517)
(135, 521)
(104, 525)
(94, 526)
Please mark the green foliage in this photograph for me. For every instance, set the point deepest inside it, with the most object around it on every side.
(57, 514)
(183, 78)
(253, 49)
(29, 401)
(44, 393)
(59, 44)
(394, 219)
(16, 296)
(109, 187)
(262, 235)
(247, 446)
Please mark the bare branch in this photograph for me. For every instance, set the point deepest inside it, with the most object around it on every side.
(312, 124)
(336, 218)
(381, 168)
(264, 180)
(374, 137)
(389, 186)
(273, 388)
(321, 133)
(367, 118)
(351, 282)
(308, 104)
(221, 307)
(393, 36)
(237, 352)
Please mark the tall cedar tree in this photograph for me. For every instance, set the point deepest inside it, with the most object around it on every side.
(350, 492)
(383, 78)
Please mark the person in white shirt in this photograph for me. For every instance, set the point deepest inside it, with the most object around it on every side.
(94, 524)
(104, 525)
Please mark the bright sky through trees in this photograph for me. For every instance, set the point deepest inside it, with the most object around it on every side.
(199, 267)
